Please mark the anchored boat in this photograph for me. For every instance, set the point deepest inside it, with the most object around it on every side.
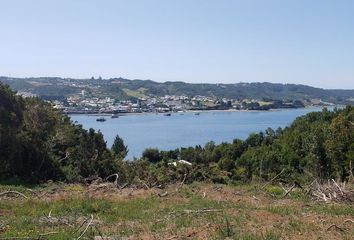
(101, 119)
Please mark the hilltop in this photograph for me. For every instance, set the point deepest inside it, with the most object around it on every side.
(125, 89)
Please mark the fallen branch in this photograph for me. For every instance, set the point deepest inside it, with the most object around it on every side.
(296, 184)
(347, 220)
(184, 179)
(188, 211)
(54, 220)
(113, 175)
(203, 210)
(30, 190)
(124, 186)
(144, 183)
(13, 192)
(290, 189)
(332, 191)
(255, 198)
(82, 224)
(83, 232)
(340, 228)
(336, 227)
(46, 234)
(271, 180)
(162, 194)
(337, 186)
(173, 237)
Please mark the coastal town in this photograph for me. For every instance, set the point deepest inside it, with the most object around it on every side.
(80, 104)
(118, 96)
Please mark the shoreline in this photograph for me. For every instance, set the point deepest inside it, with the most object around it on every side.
(193, 111)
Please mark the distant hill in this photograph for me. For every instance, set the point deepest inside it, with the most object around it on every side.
(120, 88)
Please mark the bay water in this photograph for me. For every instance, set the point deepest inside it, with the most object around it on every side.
(143, 131)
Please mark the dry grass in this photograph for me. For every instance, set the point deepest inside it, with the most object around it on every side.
(196, 211)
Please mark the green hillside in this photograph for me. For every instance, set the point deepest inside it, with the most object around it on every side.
(120, 88)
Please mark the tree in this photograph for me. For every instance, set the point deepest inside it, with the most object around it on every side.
(152, 155)
(38, 143)
(119, 148)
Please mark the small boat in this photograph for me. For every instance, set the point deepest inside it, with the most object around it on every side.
(115, 115)
(101, 119)
(197, 113)
(167, 114)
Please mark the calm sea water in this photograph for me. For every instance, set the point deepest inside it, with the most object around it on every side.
(170, 132)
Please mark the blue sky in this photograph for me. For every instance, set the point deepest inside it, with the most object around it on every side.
(219, 41)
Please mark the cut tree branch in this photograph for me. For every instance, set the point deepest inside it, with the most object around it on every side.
(13, 192)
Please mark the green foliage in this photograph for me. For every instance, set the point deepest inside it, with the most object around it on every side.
(37, 143)
(119, 148)
(152, 155)
(275, 191)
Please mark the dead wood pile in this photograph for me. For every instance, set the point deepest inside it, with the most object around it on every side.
(331, 191)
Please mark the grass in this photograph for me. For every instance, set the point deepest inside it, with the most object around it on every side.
(263, 103)
(278, 192)
(237, 212)
(283, 210)
(137, 94)
(334, 210)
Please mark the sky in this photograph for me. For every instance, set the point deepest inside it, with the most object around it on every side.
(197, 41)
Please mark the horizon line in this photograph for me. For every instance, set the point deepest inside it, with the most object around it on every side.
(175, 81)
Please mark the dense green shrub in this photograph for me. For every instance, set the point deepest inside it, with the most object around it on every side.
(38, 143)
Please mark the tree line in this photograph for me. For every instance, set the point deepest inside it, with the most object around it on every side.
(55, 87)
(39, 143)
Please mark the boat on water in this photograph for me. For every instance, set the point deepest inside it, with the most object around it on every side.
(101, 119)
(115, 115)
(167, 114)
(197, 113)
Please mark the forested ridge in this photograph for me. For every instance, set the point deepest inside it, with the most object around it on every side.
(60, 88)
(38, 143)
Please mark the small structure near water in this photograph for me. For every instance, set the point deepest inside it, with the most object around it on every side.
(180, 162)
(101, 119)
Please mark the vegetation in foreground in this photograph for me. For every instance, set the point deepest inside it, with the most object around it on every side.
(195, 211)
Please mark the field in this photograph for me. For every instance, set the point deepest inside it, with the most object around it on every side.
(137, 94)
(196, 211)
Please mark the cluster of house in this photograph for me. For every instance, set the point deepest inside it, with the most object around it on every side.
(167, 103)
(84, 104)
